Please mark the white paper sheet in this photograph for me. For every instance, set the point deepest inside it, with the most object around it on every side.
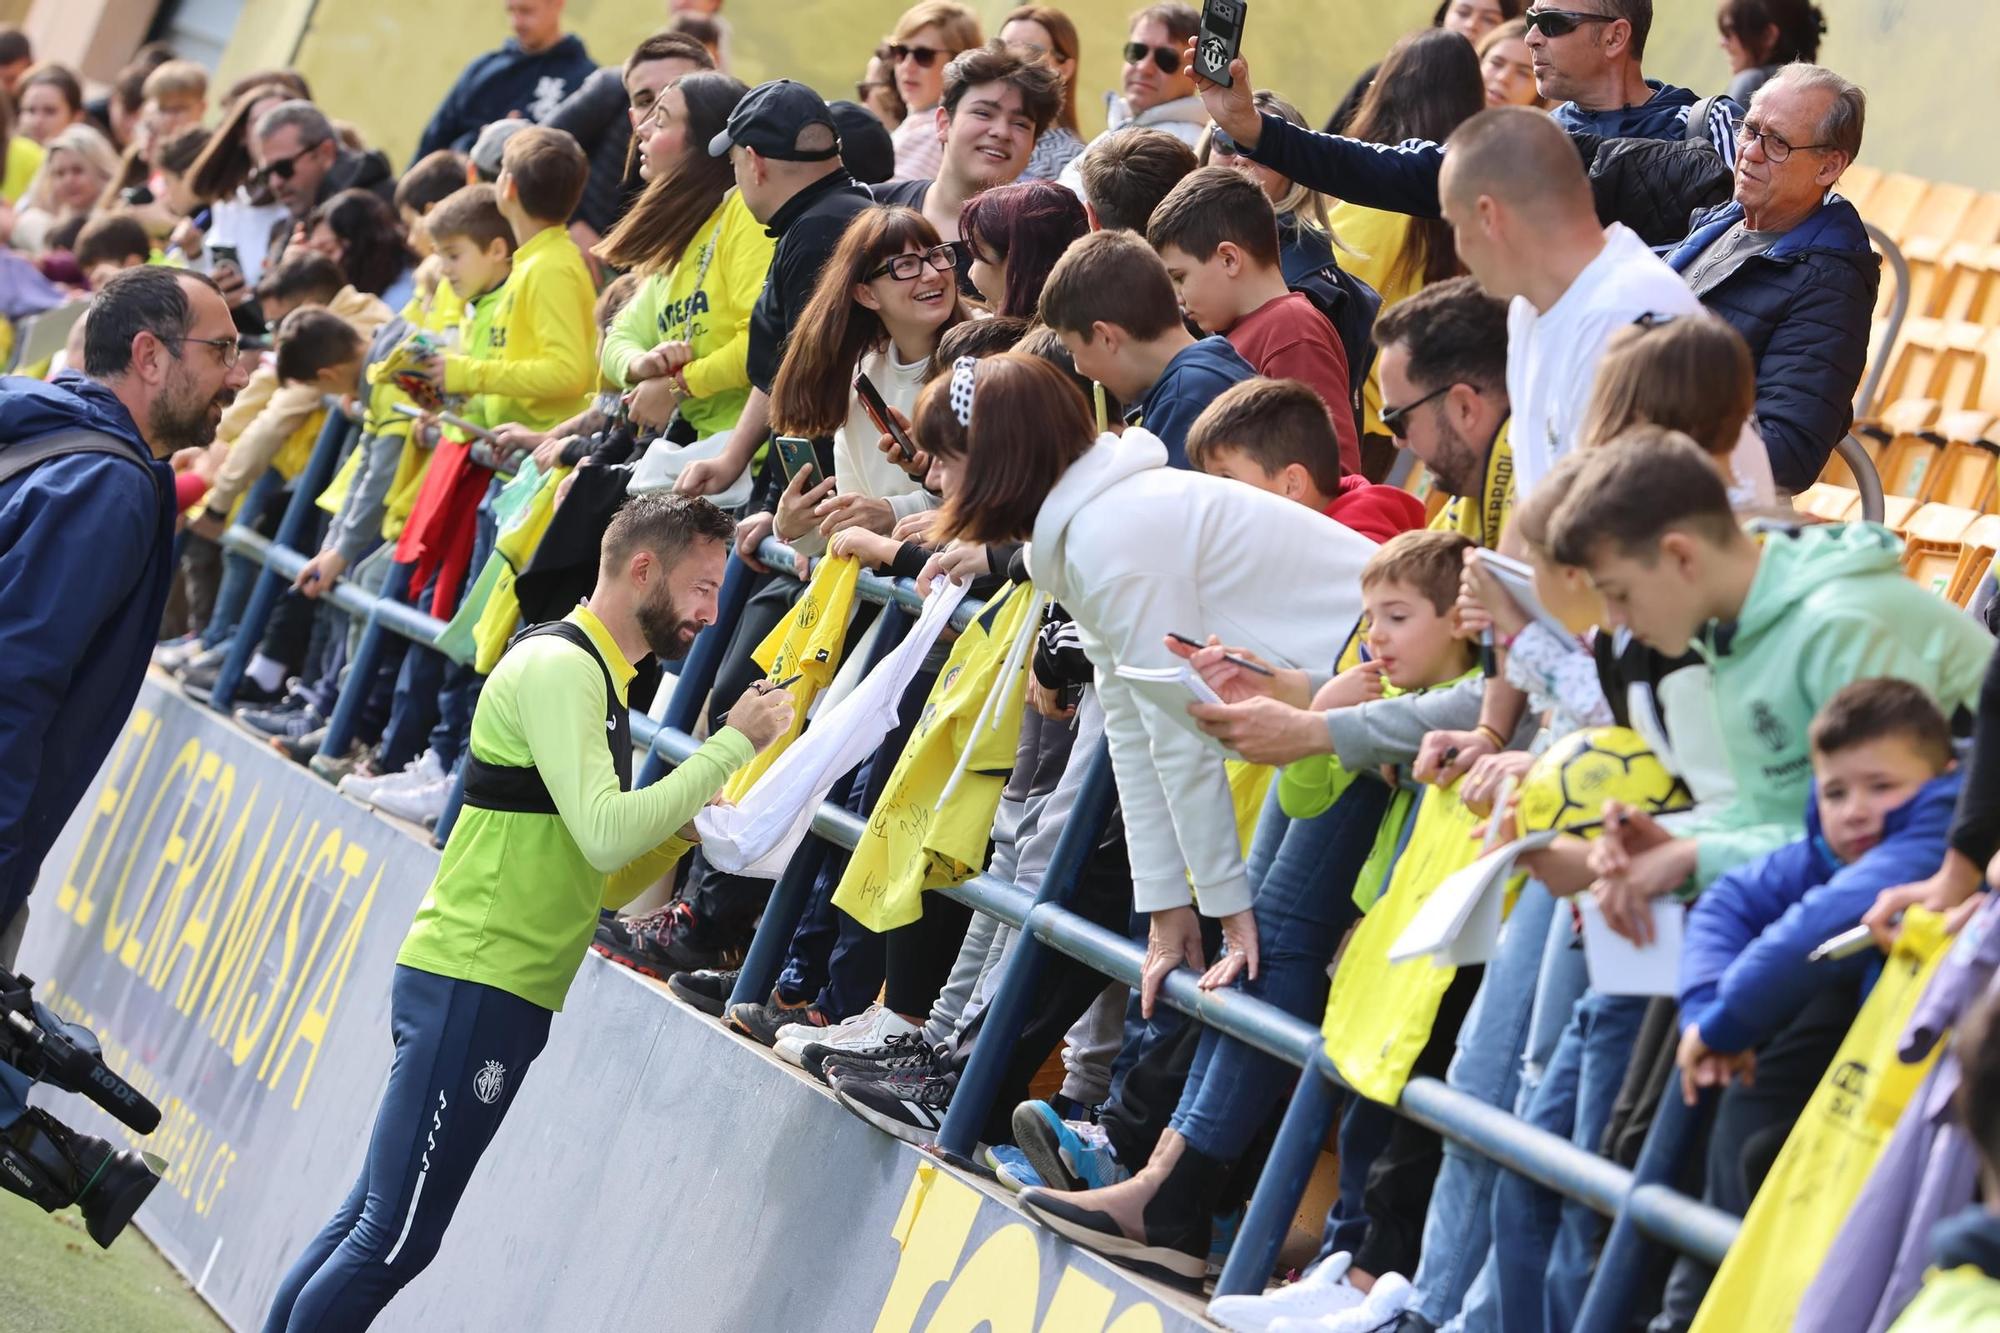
(1173, 688)
(1459, 924)
(1619, 967)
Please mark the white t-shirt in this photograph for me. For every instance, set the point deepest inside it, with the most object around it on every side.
(859, 468)
(1552, 355)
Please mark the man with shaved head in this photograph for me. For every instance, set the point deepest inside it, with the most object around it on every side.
(1520, 208)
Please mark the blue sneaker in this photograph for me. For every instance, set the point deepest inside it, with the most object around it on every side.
(1221, 1236)
(1066, 1154)
(1012, 1167)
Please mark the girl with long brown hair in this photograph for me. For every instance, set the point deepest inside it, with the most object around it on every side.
(883, 300)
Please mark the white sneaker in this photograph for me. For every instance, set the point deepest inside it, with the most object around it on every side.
(868, 1029)
(421, 805)
(420, 772)
(1391, 1295)
(1321, 1292)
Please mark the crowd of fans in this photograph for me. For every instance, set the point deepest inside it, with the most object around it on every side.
(1610, 324)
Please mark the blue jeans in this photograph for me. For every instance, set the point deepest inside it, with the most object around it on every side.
(1302, 874)
(1487, 1065)
(462, 1050)
(1544, 1267)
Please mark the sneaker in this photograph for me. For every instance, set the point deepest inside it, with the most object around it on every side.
(662, 943)
(912, 1110)
(1012, 1167)
(301, 749)
(203, 660)
(760, 1022)
(422, 805)
(622, 940)
(1067, 1154)
(248, 691)
(870, 1028)
(1320, 1293)
(426, 768)
(290, 717)
(335, 768)
(909, 1051)
(1383, 1306)
(174, 653)
(1223, 1235)
(707, 990)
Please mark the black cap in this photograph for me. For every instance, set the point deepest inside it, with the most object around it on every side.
(769, 120)
(866, 149)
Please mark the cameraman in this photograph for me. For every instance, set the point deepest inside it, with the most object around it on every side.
(86, 555)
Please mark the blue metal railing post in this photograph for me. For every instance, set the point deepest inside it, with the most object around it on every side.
(1027, 958)
(239, 572)
(1607, 1305)
(312, 479)
(1283, 1181)
(697, 674)
(441, 831)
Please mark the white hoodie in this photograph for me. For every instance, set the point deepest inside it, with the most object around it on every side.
(1134, 549)
(1184, 118)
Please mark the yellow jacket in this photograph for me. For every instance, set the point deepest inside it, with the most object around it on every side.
(274, 425)
(543, 366)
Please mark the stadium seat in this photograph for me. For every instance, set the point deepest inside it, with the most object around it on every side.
(1933, 542)
(1894, 201)
(1857, 184)
(1828, 502)
(1977, 549)
(1963, 474)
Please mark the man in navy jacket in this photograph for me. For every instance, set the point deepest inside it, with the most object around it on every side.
(86, 543)
(529, 76)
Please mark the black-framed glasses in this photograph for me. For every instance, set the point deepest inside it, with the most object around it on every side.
(1562, 22)
(229, 349)
(1168, 58)
(1776, 148)
(925, 56)
(283, 167)
(905, 267)
(1396, 420)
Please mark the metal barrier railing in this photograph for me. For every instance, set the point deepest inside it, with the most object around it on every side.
(1640, 1204)
(1892, 328)
(1867, 477)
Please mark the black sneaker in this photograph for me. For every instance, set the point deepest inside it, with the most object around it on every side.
(707, 990)
(760, 1022)
(899, 1052)
(248, 691)
(661, 943)
(911, 1110)
(622, 939)
(300, 749)
(288, 719)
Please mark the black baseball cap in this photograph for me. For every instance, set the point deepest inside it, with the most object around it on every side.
(769, 120)
(866, 149)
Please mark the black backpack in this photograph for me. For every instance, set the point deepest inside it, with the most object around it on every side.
(1350, 306)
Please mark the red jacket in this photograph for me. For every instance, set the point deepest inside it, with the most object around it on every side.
(1376, 512)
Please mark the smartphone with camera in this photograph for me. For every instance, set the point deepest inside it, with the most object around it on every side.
(225, 254)
(795, 454)
(877, 409)
(1220, 39)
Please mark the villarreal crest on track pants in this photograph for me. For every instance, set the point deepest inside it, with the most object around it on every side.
(462, 1050)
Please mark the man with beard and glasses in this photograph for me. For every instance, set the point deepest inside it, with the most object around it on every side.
(551, 832)
(86, 546)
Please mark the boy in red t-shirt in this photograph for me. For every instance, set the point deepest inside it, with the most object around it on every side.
(1278, 436)
(1218, 236)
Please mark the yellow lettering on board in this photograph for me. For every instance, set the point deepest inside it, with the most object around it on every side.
(931, 1229)
(318, 1014)
(165, 932)
(352, 860)
(170, 855)
(86, 904)
(1141, 1318)
(193, 939)
(1081, 1304)
(108, 794)
(998, 1289)
(211, 1178)
(246, 1003)
(114, 929)
(239, 927)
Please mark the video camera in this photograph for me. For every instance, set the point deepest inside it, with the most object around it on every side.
(44, 1160)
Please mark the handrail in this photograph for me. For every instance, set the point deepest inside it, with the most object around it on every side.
(1867, 477)
(1638, 1205)
(1892, 328)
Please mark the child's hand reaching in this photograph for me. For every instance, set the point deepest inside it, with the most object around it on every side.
(869, 548)
(1702, 1066)
(1356, 685)
(1480, 592)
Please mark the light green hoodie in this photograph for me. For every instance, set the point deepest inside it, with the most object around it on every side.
(1830, 605)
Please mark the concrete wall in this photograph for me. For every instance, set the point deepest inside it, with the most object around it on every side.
(384, 63)
(221, 917)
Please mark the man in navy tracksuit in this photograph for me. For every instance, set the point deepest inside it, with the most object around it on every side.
(529, 76)
(86, 555)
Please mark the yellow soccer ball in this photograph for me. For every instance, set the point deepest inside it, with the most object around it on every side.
(1568, 786)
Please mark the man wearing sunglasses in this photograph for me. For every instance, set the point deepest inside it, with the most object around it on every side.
(1157, 92)
(301, 160)
(1586, 55)
(86, 545)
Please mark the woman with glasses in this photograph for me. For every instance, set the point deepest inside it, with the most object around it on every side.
(1473, 20)
(1305, 228)
(876, 93)
(926, 38)
(1427, 86)
(1050, 34)
(883, 300)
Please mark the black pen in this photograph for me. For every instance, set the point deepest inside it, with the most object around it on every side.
(784, 684)
(1230, 658)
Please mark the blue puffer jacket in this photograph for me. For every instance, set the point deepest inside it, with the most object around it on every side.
(1803, 306)
(86, 555)
(503, 83)
(1744, 973)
